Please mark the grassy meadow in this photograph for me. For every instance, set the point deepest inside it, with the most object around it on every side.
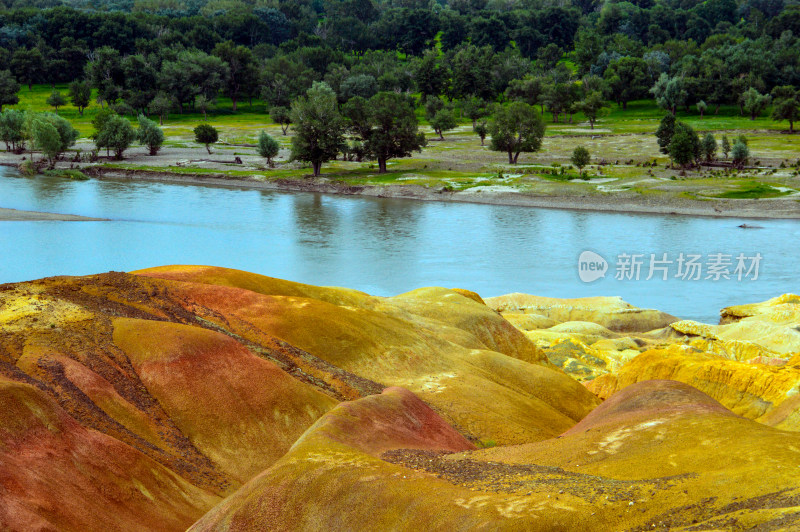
(620, 144)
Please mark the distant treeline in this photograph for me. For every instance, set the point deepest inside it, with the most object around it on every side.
(683, 53)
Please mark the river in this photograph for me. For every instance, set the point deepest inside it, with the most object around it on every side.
(385, 246)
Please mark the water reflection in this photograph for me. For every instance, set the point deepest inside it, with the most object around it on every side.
(316, 223)
(52, 191)
(580, 225)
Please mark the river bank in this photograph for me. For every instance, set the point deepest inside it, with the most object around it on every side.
(466, 174)
(381, 245)
(781, 208)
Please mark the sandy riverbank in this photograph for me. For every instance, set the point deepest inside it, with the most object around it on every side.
(14, 215)
(739, 208)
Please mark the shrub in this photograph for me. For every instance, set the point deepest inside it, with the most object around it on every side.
(28, 168)
(709, 147)
(580, 158)
(150, 134)
(123, 108)
(56, 100)
(685, 145)
(45, 137)
(268, 147)
(116, 133)
(12, 129)
(482, 129)
(75, 175)
(726, 146)
(666, 128)
(51, 134)
(281, 115)
(443, 121)
(206, 134)
(740, 152)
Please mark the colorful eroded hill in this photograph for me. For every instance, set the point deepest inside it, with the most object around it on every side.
(192, 396)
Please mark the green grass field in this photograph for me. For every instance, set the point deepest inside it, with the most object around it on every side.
(640, 117)
(620, 143)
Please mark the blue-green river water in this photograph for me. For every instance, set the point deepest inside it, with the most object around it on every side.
(385, 246)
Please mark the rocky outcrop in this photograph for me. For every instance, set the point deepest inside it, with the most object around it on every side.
(585, 337)
(770, 334)
(784, 309)
(610, 312)
(763, 333)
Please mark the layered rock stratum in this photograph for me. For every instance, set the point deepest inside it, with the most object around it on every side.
(214, 399)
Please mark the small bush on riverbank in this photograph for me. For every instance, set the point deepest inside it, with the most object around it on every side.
(76, 175)
(150, 135)
(268, 147)
(206, 134)
(28, 168)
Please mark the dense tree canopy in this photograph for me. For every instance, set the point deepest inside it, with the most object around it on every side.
(8, 89)
(627, 80)
(157, 56)
(241, 77)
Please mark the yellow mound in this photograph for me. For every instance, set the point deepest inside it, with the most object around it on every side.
(434, 342)
(765, 393)
(783, 309)
(642, 460)
(610, 312)
(213, 374)
(337, 466)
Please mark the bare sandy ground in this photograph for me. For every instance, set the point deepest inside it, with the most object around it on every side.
(14, 215)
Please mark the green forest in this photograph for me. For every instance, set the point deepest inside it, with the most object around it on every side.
(141, 55)
(371, 69)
